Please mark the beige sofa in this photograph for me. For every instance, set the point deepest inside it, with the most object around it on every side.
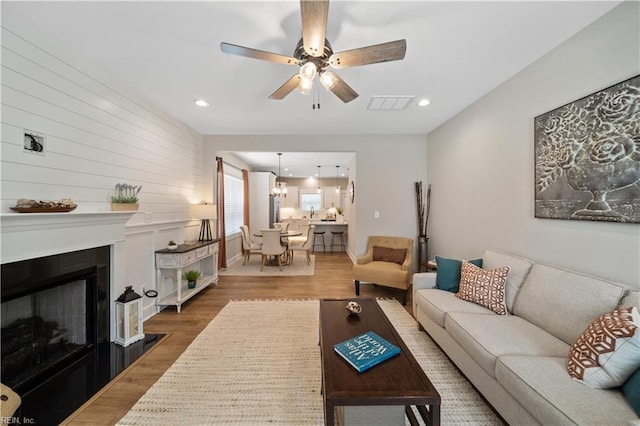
(519, 361)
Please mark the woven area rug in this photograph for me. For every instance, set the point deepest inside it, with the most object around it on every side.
(252, 268)
(258, 362)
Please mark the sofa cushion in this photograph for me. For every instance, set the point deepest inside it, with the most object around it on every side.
(448, 272)
(631, 299)
(563, 302)
(486, 337)
(437, 303)
(542, 385)
(631, 391)
(388, 254)
(486, 288)
(607, 353)
(518, 270)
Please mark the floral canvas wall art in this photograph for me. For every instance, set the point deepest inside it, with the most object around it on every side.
(587, 157)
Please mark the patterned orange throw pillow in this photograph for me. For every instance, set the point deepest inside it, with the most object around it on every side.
(483, 287)
(607, 353)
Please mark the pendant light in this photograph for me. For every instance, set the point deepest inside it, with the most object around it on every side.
(337, 186)
(319, 179)
(280, 188)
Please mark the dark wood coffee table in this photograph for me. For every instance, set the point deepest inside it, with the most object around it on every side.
(396, 381)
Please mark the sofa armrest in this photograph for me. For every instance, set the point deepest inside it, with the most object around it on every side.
(424, 280)
(367, 258)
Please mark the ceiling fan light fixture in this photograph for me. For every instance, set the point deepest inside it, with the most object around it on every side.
(305, 86)
(308, 71)
(328, 79)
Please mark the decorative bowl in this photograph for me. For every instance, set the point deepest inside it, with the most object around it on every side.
(354, 308)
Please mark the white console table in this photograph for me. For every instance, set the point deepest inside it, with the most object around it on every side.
(171, 264)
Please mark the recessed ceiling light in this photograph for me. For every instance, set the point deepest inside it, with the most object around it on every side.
(424, 102)
(201, 103)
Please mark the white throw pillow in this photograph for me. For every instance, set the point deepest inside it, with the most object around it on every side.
(607, 353)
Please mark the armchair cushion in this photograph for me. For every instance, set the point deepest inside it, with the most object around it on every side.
(386, 254)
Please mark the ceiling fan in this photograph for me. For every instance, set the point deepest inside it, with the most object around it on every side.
(313, 54)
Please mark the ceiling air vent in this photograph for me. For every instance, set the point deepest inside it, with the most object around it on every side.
(389, 103)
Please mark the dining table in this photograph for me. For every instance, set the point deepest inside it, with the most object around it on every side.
(284, 235)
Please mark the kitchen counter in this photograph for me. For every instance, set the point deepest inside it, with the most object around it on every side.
(326, 222)
(329, 226)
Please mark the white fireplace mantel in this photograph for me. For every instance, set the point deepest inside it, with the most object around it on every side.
(31, 235)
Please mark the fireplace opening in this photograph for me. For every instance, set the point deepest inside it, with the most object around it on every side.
(55, 310)
(48, 328)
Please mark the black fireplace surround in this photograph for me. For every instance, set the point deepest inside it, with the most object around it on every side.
(55, 311)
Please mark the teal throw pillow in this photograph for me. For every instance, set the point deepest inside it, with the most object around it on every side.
(448, 272)
(631, 391)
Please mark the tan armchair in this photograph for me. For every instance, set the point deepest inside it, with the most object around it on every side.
(387, 262)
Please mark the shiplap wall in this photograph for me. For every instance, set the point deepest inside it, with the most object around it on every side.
(97, 133)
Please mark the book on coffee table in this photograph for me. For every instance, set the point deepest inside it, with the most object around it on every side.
(366, 350)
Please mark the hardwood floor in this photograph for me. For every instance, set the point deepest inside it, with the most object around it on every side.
(332, 278)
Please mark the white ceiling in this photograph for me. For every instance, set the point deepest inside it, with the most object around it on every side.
(169, 53)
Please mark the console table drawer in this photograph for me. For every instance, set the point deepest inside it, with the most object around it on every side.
(213, 248)
(202, 252)
(190, 257)
(168, 260)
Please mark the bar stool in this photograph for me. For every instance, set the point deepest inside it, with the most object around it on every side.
(337, 239)
(316, 235)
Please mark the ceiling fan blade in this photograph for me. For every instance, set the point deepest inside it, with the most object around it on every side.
(314, 25)
(384, 52)
(338, 86)
(288, 87)
(248, 52)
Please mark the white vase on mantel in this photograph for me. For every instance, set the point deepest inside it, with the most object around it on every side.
(339, 218)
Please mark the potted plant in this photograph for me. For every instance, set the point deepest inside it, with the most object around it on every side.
(172, 245)
(125, 197)
(191, 277)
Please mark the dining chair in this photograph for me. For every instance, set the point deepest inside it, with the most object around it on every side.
(248, 245)
(306, 245)
(272, 246)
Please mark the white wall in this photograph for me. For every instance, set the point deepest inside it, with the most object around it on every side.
(98, 133)
(387, 168)
(481, 162)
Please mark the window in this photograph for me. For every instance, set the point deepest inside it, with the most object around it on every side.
(233, 204)
(307, 201)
